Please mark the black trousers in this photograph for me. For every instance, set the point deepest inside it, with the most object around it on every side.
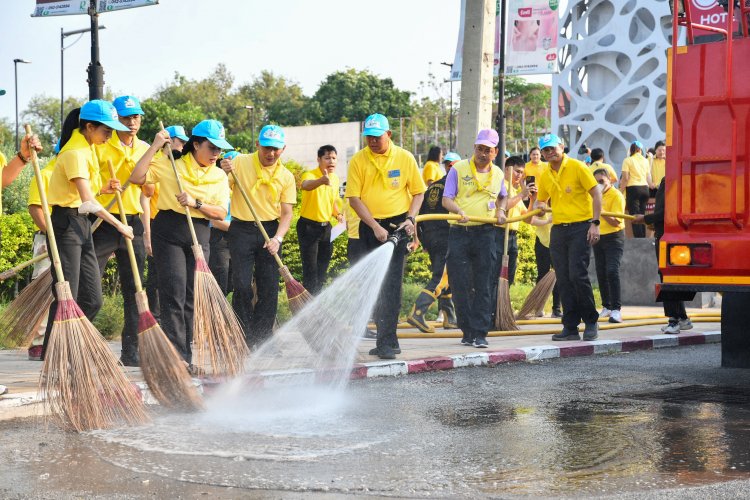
(152, 286)
(355, 250)
(543, 265)
(388, 305)
(673, 309)
(79, 265)
(608, 256)
(219, 261)
(315, 248)
(173, 252)
(435, 242)
(636, 198)
(107, 240)
(252, 260)
(472, 254)
(571, 253)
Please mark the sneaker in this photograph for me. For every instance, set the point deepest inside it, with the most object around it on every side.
(370, 335)
(591, 332)
(605, 313)
(672, 328)
(396, 350)
(671, 320)
(35, 353)
(615, 316)
(468, 342)
(566, 335)
(3, 390)
(385, 352)
(556, 313)
(480, 343)
(686, 324)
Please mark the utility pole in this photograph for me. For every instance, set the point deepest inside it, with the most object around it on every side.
(500, 119)
(450, 115)
(95, 70)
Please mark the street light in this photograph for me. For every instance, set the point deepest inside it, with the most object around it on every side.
(15, 71)
(450, 116)
(63, 35)
(251, 112)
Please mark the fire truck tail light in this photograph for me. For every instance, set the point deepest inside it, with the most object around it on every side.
(679, 255)
(702, 255)
(691, 255)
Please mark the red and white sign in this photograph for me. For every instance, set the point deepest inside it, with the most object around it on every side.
(710, 13)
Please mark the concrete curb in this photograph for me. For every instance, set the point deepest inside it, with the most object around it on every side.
(441, 363)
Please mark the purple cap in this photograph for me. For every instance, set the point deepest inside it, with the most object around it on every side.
(487, 137)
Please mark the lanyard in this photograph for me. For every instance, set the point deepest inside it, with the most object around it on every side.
(475, 175)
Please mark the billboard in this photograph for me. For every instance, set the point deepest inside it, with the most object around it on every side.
(46, 8)
(458, 58)
(531, 43)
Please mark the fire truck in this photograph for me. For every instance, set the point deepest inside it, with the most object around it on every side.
(706, 243)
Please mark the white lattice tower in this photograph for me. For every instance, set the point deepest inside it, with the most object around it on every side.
(612, 84)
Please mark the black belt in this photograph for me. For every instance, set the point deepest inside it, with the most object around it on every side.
(314, 222)
(387, 219)
(477, 227)
(566, 224)
(67, 211)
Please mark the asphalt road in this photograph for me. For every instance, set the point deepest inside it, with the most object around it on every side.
(650, 424)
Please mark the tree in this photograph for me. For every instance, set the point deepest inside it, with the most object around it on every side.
(352, 95)
(186, 114)
(276, 100)
(43, 114)
(526, 111)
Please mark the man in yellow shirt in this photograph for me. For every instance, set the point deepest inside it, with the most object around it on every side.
(576, 202)
(384, 188)
(273, 193)
(320, 188)
(474, 187)
(517, 193)
(124, 149)
(597, 162)
(608, 251)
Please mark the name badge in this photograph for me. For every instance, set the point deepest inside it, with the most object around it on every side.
(491, 205)
(394, 173)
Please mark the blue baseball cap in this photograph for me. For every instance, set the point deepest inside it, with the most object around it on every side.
(450, 157)
(507, 153)
(103, 112)
(212, 130)
(376, 125)
(56, 149)
(272, 136)
(230, 155)
(639, 146)
(177, 131)
(127, 105)
(549, 140)
(587, 159)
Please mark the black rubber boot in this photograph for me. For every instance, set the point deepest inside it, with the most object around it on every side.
(445, 304)
(422, 304)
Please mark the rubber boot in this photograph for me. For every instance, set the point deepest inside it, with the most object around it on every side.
(422, 304)
(445, 304)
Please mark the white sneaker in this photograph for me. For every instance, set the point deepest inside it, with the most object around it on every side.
(605, 313)
(672, 328)
(686, 324)
(3, 389)
(671, 320)
(615, 317)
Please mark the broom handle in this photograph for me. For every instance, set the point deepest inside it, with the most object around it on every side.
(9, 273)
(255, 216)
(179, 187)
(128, 242)
(45, 210)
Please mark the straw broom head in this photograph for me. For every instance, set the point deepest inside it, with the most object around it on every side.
(219, 340)
(163, 368)
(81, 382)
(296, 294)
(538, 296)
(504, 317)
(21, 319)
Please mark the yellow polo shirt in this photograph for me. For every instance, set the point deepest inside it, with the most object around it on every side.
(612, 201)
(123, 159)
(277, 186)
(386, 183)
(153, 202)
(208, 184)
(597, 165)
(658, 168)
(76, 160)
(638, 168)
(543, 232)
(352, 221)
(318, 203)
(568, 190)
(431, 172)
(472, 200)
(34, 198)
(517, 210)
(535, 169)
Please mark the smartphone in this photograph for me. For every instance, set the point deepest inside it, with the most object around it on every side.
(530, 179)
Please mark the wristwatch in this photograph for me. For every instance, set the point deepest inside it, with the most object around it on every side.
(595, 222)
(280, 240)
(410, 218)
(198, 204)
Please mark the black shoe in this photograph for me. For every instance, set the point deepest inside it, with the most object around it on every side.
(480, 343)
(385, 352)
(130, 360)
(468, 342)
(556, 313)
(591, 332)
(566, 335)
(369, 335)
(396, 350)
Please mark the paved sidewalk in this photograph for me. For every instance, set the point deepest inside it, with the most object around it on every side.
(21, 376)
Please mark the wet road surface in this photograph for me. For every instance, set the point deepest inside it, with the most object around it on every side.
(642, 424)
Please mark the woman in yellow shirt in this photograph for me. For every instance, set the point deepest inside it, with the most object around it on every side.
(73, 187)
(635, 183)
(206, 195)
(432, 170)
(535, 166)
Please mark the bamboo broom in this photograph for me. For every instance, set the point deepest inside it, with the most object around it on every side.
(81, 382)
(162, 366)
(218, 336)
(504, 317)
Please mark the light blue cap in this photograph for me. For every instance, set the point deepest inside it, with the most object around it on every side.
(639, 146)
(450, 157)
(177, 131)
(212, 130)
(272, 136)
(549, 140)
(103, 112)
(127, 105)
(507, 153)
(230, 155)
(376, 125)
(56, 149)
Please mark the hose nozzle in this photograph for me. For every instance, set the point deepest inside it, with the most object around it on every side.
(398, 235)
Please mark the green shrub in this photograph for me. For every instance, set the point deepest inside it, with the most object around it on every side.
(109, 321)
(526, 268)
(17, 240)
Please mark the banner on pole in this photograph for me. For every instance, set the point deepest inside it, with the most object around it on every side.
(531, 44)
(458, 58)
(46, 8)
